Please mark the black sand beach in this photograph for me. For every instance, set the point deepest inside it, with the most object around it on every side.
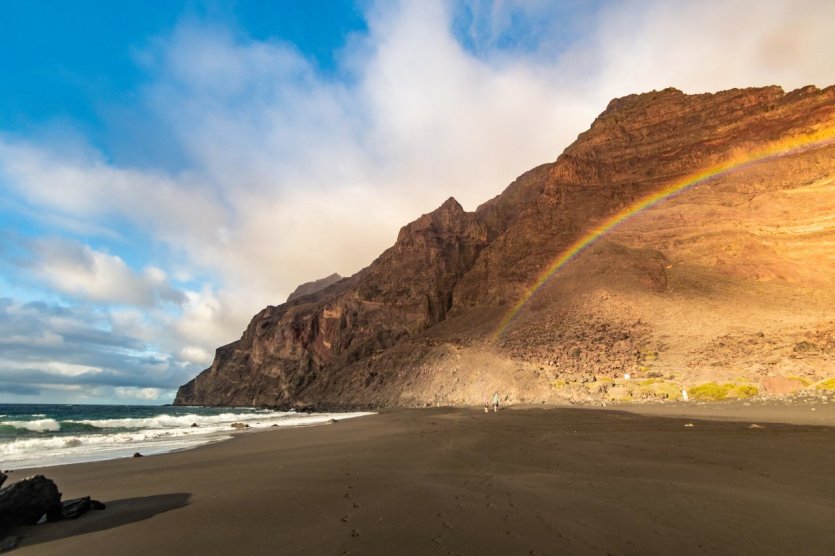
(459, 481)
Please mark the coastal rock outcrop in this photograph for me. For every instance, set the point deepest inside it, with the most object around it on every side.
(290, 350)
(27, 500)
(719, 280)
(32, 501)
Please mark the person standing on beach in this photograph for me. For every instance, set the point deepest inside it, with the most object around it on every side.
(486, 404)
(495, 402)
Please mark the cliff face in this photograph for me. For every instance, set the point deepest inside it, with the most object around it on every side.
(291, 350)
(716, 264)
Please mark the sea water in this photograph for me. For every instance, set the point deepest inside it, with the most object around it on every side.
(42, 435)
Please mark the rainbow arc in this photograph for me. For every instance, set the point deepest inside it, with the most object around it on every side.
(776, 149)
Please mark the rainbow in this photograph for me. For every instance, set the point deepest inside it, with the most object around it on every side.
(775, 149)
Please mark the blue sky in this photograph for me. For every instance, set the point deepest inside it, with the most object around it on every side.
(168, 168)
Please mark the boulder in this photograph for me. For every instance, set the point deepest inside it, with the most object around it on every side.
(72, 509)
(26, 501)
(8, 543)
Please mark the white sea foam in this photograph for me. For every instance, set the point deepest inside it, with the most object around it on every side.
(154, 435)
(165, 421)
(39, 425)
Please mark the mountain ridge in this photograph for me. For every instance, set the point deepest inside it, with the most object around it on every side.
(417, 325)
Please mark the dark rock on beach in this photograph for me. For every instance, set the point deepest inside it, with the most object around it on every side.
(8, 543)
(72, 509)
(26, 501)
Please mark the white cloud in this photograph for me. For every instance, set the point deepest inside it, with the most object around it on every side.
(195, 354)
(142, 394)
(82, 186)
(79, 270)
(40, 339)
(704, 47)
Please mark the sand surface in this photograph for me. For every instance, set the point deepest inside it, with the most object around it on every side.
(459, 481)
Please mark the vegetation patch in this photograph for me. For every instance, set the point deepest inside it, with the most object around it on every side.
(660, 389)
(714, 392)
(651, 356)
(559, 384)
(710, 391)
(742, 391)
(668, 390)
(828, 384)
(800, 379)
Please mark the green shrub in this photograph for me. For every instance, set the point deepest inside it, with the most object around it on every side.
(800, 379)
(668, 390)
(712, 391)
(743, 391)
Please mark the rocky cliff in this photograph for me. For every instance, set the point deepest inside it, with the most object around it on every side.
(310, 288)
(718, 284)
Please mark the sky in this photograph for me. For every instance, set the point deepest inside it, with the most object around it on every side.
(170, 167)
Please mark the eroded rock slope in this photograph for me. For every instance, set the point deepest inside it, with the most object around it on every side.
(720, 282)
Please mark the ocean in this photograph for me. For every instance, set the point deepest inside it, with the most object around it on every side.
(43, 435)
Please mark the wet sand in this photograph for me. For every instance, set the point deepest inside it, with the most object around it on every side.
(459, 481)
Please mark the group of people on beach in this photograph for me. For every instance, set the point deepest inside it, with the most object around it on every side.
(495, 403)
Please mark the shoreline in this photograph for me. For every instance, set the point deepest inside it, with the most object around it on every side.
(815, 413)
(157, 433)
(459, 481)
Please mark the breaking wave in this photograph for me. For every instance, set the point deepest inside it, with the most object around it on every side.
(47, 442)
(38, 425)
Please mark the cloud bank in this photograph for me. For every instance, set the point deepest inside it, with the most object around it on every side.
(281, 173)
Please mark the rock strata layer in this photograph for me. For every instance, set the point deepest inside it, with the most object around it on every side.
(720, 282)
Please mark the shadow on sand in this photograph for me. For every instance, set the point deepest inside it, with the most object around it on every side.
(117, 513)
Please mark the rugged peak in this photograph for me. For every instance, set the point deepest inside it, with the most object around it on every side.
(309, 288)
(662, 133)
(450, 217)
(659, 102)
(627, 101)
(450, 205)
